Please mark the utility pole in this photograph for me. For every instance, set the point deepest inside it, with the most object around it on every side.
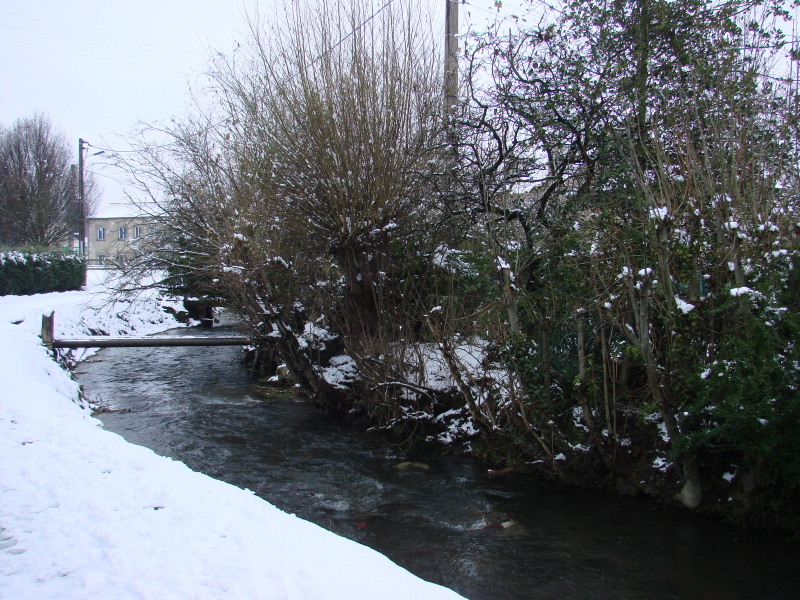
(451, 57)
(84, 241)
(82, 145)
(450, 91)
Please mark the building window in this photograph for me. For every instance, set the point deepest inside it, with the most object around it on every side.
(101, 260)
(152, 230)
(137, 232)
(123, 233)
(101, 233)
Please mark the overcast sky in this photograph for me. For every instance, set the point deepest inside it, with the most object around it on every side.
(97, 67)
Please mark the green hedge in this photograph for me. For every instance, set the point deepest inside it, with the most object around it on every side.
(24, 272)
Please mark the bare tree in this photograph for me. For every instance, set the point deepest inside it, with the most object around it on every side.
(39, 203)
(343, 101)
(299, 175)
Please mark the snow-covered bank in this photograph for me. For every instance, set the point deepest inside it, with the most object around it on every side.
(88, 312)
(85, 515)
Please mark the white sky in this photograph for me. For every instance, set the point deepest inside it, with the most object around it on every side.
(97, 67)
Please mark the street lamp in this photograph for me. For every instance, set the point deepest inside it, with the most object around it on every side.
(83, 242)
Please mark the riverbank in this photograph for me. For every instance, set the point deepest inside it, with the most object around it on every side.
(84, 514)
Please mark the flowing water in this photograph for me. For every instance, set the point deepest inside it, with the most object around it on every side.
(443, 518)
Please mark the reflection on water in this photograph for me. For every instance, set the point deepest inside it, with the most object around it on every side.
(502, 538)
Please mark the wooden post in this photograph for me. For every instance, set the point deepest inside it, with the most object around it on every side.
(450, 95)
(451, 57)
(82, 243)
(48, 322)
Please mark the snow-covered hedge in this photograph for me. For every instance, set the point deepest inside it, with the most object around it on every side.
(32, 272)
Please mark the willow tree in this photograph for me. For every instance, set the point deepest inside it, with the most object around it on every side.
(342, 102)
(301, 179)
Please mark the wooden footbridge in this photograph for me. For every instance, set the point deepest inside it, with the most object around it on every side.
(104, 341)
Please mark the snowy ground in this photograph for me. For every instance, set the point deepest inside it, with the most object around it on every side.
(86, 515)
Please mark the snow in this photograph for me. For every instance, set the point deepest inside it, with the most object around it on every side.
(441, 256)
(314, 337)
(683, 306)
(580, 447)
(93, 311)
(86, 515)
(428, 367)
(577, 415)
(457, 429)
(342, 370)
(661, 464)
(744, 291)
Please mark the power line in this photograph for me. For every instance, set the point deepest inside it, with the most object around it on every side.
(115, 179)
(341, 41)
(100, 34)
(90, 56)
(486, 10)
(523, 13)
(60, 37)
(505, 4)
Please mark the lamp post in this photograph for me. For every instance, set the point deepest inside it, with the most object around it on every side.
(83, 242)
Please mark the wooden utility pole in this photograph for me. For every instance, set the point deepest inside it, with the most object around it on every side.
(451, 57)
(82, 242)
(450, 93)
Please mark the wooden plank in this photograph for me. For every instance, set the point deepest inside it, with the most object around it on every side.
(150, 342)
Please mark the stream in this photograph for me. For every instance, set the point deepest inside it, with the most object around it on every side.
(441, 517)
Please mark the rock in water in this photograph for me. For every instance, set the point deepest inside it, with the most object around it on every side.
(403, 466)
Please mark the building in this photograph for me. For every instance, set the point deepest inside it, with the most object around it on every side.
(111, 240)
(69, 244)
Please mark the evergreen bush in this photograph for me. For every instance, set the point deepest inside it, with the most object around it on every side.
(31, 271)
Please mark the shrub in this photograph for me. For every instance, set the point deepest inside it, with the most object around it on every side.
(746, 410)
(24, 272)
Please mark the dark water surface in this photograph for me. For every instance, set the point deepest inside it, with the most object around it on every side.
(487, 538)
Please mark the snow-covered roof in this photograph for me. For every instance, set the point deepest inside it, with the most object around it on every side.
(117, 210)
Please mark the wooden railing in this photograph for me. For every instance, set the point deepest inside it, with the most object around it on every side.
(103, 341)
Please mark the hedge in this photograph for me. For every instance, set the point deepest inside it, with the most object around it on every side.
(24, 272)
